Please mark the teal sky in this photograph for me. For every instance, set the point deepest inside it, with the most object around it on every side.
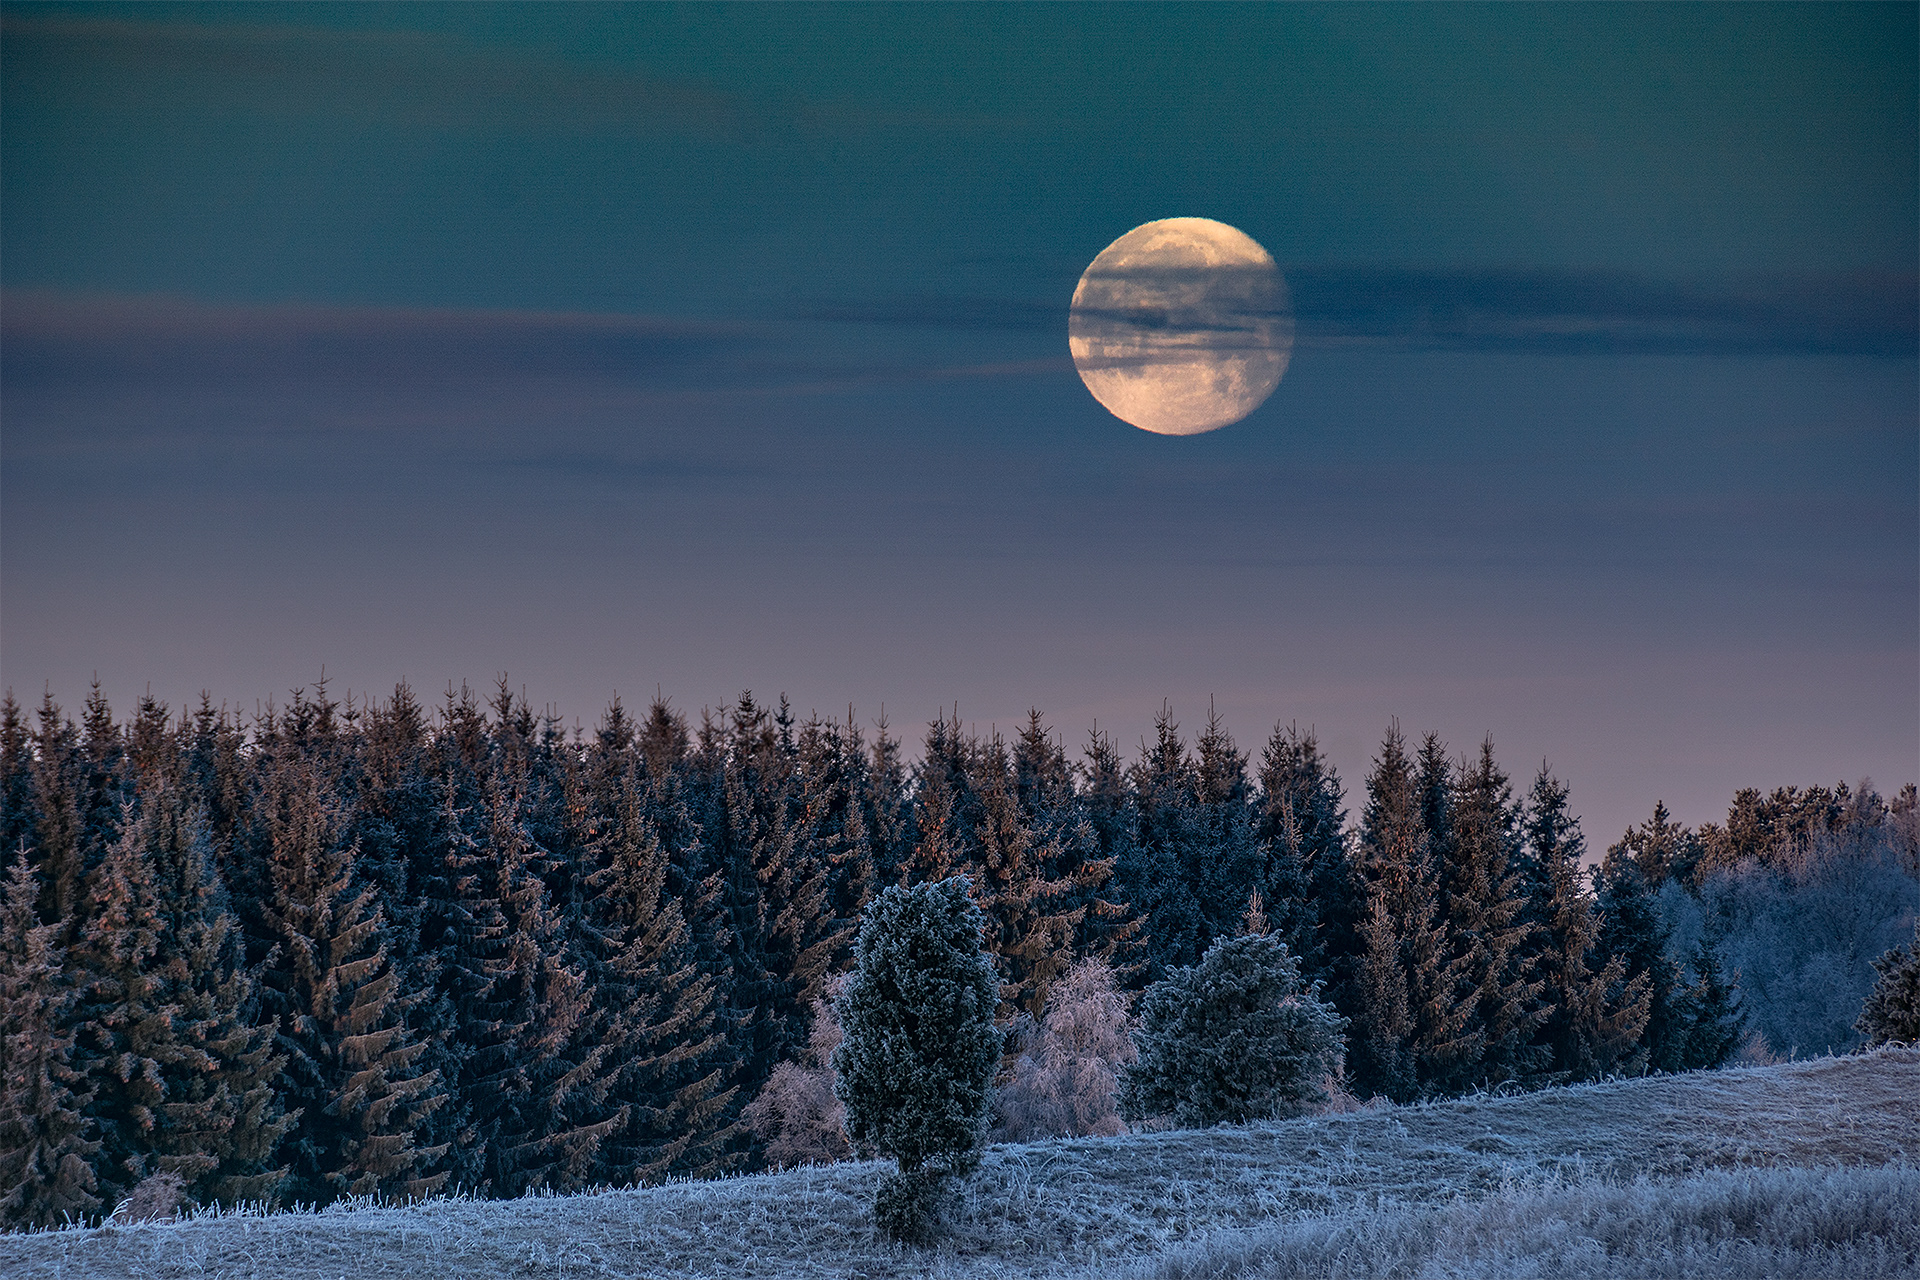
(714, 347)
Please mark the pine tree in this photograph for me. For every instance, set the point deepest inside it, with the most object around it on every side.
(1412, 1031)
(1308, 888)
(182, 1076)
(1072, 854)
(47, 1146)
(1631, 930)
(658, 1011)
(917, 1060)
(351, 1057)
(1163, 866)
(1486, 907)
(1595, 1017)
(1237, 1037)
(1892, 1010)
(1714, 1029)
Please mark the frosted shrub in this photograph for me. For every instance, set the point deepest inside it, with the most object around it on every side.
(1237, 1037)
(1067, 1082)
(796, 1116)
(917, 1058)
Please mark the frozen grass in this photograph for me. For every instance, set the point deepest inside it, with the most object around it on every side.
(1785, 1224)
(1743, 1172)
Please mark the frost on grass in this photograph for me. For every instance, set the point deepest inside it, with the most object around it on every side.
(1511, 1176)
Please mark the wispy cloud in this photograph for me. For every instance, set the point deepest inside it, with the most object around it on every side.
(52, 337)
(416, 79)
(1600, 313)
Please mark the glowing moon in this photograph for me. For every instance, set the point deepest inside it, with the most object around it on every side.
(1181, 326)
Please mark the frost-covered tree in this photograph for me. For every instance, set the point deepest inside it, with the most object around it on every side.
(1066, 1082)
(1892, 1008)
(182, 1073)
(352, 1059)
(47, 1145)
(1798, 933)
(920, 1048)
(1237, 1037)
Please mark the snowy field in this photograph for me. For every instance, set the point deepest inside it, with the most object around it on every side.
(1803, 1169)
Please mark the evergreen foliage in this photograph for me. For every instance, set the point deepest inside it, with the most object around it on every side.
(1413, 1029)
(1487, 916)
(391, 947)
(1632, 930)
(1595, 1015)
(352, 1060)
(1892, 1009)
(47, 1148)
(182, 1076)
(919, 1047)
(1237, 1037)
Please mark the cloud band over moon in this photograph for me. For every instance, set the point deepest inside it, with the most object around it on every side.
(1602, 313)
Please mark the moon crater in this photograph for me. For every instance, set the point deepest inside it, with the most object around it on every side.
(1181, 326)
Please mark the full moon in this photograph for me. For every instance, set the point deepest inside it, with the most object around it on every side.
(1181, 326)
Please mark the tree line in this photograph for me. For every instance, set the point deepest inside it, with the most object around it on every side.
(381, 949)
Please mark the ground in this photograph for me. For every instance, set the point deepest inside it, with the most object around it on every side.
(1805, 1168)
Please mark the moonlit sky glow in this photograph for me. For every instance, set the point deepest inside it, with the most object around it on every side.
(724, 347)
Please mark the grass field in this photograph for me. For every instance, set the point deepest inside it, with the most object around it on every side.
(1802, 1169)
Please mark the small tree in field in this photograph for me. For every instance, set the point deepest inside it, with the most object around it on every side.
(1067, 1084)
(1892, 1011)
(919, 1047)
(1237, 1037)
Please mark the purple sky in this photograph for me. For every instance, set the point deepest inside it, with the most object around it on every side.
(725, 348)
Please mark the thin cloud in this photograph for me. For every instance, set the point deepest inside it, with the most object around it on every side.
(54, 338)
(1541, 311)
(408, 79)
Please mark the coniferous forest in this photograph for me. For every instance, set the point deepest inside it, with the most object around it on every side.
(393, 949)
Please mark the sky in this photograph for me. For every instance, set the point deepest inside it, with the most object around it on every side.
(691, 350)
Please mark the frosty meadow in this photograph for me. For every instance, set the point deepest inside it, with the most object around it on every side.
(1803, 1170)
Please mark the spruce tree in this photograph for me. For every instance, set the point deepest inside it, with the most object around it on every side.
(182, 1075)
(1892, 1010)
(1072, 853)
(777, 888)
(1412, 1031)
(1632, 931)
(1032, 919)
(1717, 1020)
(546, 1120)
(1308, 888)
(352, 1061)
(657, 1009)
(916, 1062)
(1165, 863)
(1595, 1016)
(1486, 907)
(1238, 1037)
(47, 1147)
(59, 802)
(16, 778)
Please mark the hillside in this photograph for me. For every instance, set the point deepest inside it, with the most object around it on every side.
(1789, 1158)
